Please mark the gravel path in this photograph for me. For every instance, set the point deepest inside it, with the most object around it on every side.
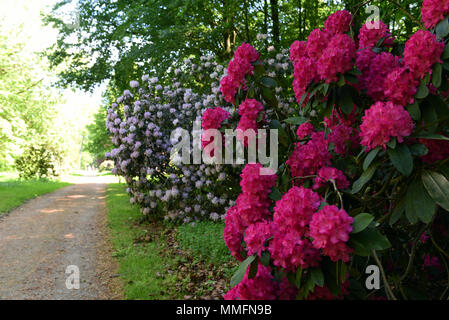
(40, 239)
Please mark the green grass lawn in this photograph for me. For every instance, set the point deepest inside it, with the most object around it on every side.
(142, 265)
(14, 192)
(206, 240)
(152, 269)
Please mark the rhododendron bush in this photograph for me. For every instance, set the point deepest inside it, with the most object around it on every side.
(364, 178)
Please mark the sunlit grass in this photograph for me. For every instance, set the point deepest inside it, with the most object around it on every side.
(143, 266)
(14, 192)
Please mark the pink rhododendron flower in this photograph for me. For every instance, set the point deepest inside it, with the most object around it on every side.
(251, 209)
(337, 58)
(304, 71)
(369, 36)
(340, 136)
(212, 119)
(255, 237)
(338, 22)
(247, 52)
(326, 174)
(233, 233)
(438, 150)
(249, 111)
(261, 287)
(286, 290)
(238, 68)
(380, 67)
(305, 130)
(383, 121)
(323, 293)
(330, 229)
(421, 52)
(298, 50)
(255, 183)
(289, 250)
(434, 11)
(294, 211)
(229, 88)
(317, 43)
(308, 158)
(401, 86)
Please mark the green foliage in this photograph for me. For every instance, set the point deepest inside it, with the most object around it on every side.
(206, 240)
(27, 105)
(98, 142)
(39, 160)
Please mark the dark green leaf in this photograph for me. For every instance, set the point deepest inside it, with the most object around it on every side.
(240, 273)
(418, 149)
(418, 203)
(437, 74)
(359, 248)
(253, 269)
(442, 28)
(371, 239)
(364, 178)
(414, 111)
(317, 276)
(402, 159)
(345, 99)
(398, 211)
(445, 54)
(438, 187)
(361, 222)
(275, 194)
(432, 136)
(296, 120)
(423, 91)
(265, 258)
(392, 143)
(370, 157)
(269, 82)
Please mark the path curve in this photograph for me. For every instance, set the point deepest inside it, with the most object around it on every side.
(40, 239)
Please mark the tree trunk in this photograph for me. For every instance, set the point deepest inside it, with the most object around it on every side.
(265, 17)
(245, 3)
(275, 21)
(300, 19)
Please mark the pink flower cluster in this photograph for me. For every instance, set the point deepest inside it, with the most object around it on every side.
(326, 54)
(307, 158)
(238, 68)
(381, 122)
(400, 86)
(438, 150)
(290, 247)
(381, 65)
(338, 22)
(250, 211)
(434, 11)
(421, 52)
(249, 112)
(212, 119)
(370, 34)
(330, 229)
(305, 130)
(329, 174)
(261, 287)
